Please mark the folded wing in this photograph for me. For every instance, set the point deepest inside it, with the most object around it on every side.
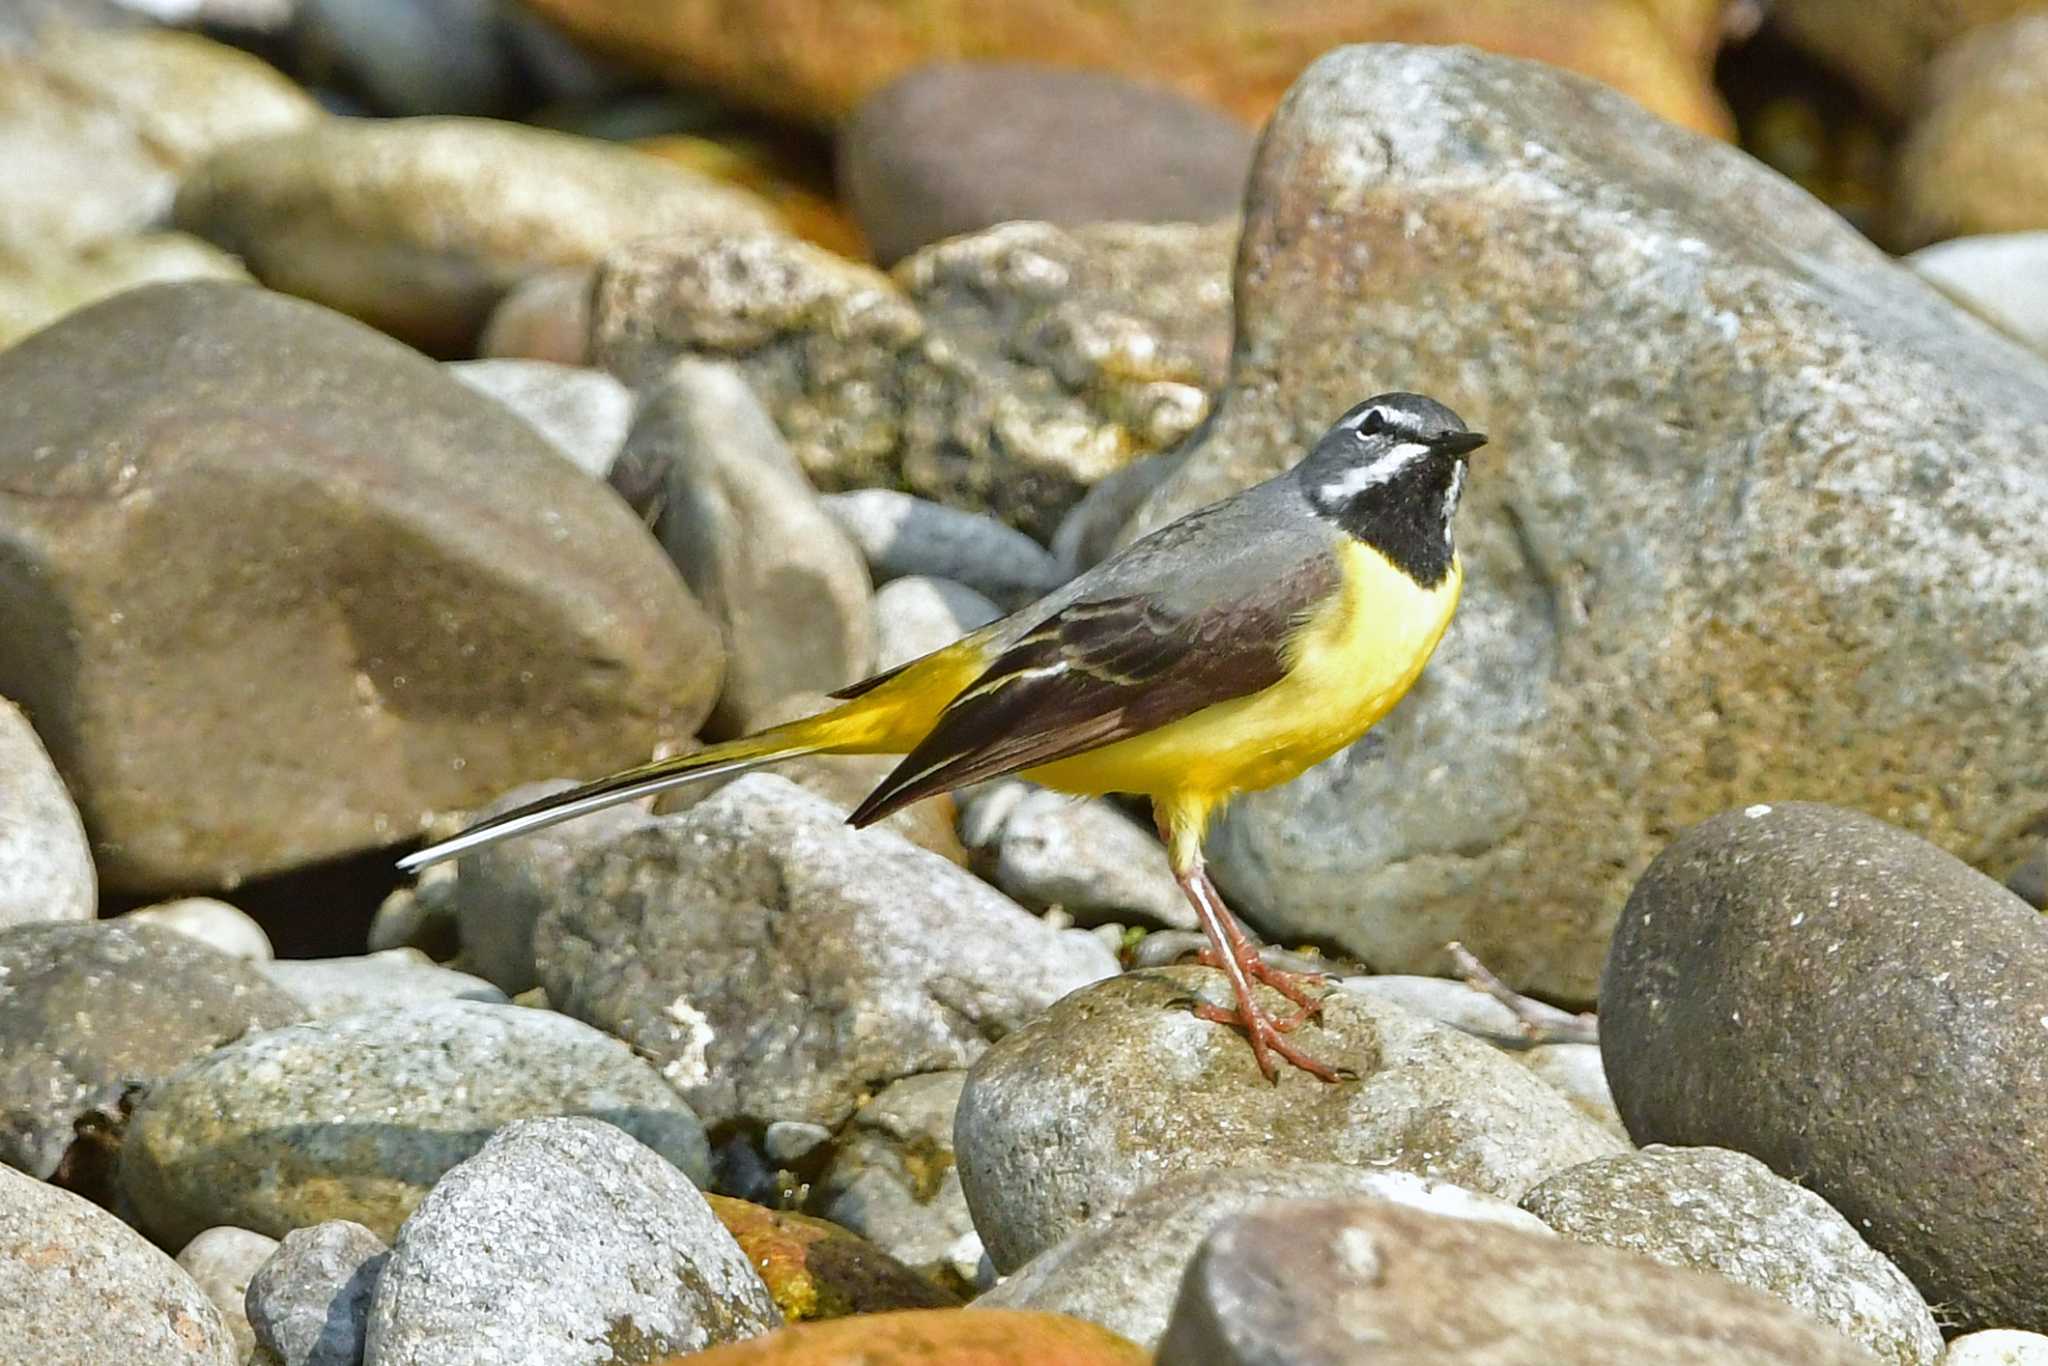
(1100, 671)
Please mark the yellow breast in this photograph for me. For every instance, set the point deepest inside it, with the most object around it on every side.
(1350, 663)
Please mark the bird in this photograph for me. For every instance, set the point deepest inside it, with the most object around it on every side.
(1225, 652)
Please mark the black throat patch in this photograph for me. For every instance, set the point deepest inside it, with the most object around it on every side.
(1406, 519)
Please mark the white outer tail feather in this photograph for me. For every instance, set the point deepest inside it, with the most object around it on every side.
(567, 806)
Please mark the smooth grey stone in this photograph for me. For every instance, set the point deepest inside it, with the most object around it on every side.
(1444, 1000)
(738, 516)
(789, 1141)
(1418, 1287)
(1576, 1070)
(221, 1262)
(1085, 857)
(1121, 1085)
(1123, 1268)
(214, 923)
(780, 965)
(93, 1014)
(918, 614)
(893, 1180)
(2029, 881)
(358, 1117)
(80, 1288)
(309, 1305)
(330, 988)
(419, 916)
(901, 534)
(1737, 606)
(2002, 277)
(1709, 1209)
(583, 413)
(46, 868)
(1863, 1012)
(563, 1241)
(1093, 528)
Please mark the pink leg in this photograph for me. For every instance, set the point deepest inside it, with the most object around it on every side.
(1231, 949)
(1295, 986)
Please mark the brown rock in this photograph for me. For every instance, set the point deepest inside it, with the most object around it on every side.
(817, 59)
(419, 226)
(1312, 1284)
(802, 197)
(419, 603)
(931, 1337)
(546, 316)
(956, 147)
(1976, 160)
(817, 1270)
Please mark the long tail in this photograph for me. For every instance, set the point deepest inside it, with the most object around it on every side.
(839, 729)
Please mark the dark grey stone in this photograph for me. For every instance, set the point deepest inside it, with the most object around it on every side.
(92, 1015)
(1865, 1014)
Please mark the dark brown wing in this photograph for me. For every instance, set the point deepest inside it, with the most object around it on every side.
(1101, 671)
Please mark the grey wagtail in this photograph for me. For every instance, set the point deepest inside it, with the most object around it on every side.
(1225, 652)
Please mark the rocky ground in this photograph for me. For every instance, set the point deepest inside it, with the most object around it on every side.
(407, 404)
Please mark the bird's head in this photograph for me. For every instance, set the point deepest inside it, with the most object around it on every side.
(1390, 472)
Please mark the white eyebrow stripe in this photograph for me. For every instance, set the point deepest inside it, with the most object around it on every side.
(1357, 481)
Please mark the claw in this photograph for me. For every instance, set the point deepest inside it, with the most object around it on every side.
(1269, 1036)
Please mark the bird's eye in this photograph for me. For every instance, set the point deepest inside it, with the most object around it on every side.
(1373, 423)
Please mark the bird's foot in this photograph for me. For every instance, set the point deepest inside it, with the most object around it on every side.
(1295, 986)
(1268, 1036)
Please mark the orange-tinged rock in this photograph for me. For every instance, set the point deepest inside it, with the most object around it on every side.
(817, 59)
(931, 1337)
(817, 1270)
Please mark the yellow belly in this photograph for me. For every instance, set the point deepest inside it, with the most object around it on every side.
(1351, 663)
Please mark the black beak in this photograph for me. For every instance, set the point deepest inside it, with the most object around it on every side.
(1461, 443)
